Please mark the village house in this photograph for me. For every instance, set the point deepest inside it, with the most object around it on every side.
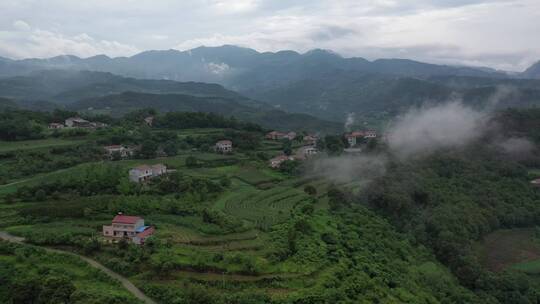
(149, 120)
(55, 125)
(122, 151)
(306, 152)
(77, 122)
(310, 140)
(97, 125)
(370, 134)
(143, 173)
(278, 160)
(536, 182)
(127, 227)
(353, 137)
(224, 146)
(275, 135)
(290, 135)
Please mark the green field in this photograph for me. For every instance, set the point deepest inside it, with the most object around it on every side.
(510, 248)
(9, 146)
(91, 285)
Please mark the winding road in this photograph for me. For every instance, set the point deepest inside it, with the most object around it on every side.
(136, 292)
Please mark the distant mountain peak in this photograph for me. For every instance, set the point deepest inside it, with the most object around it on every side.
(533, 71)
(322, 52)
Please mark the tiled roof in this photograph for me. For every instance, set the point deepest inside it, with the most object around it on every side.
(143, 167)
(147, 232)
(126, 219)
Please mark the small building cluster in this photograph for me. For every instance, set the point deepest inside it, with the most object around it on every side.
(278, 160)
(143, 173)
(354, 137)
(275, 135)
(224, 146)
(120, 150)
(310, 140)
(149, 121)
(305, 152)
(77, 122)
(127, 227)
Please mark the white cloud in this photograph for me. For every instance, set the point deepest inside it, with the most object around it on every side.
(497, 33)
(20, 25)
(26, 42)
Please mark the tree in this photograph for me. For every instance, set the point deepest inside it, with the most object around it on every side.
(287, 147)
(333, 144)
(192, 162)
(224, 181)
(148, 149)
(56, 289)
(41, 195)
(309, 189)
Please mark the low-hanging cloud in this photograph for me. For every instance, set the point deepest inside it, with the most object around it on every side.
(425, 130)
(346, 168)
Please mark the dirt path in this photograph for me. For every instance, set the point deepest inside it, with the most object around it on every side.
(124, 281)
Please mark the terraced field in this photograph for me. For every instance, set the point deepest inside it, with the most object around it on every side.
(265, 208)
(8, 146)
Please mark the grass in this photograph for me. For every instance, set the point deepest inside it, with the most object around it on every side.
(92, 285)
(9, 146)
(265, 208)
(531, 267)
(505, 248)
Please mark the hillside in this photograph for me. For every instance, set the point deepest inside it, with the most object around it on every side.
(120, 104)
(533, 71)
(230, 229)
(233, 66)
(65, 86)
(374, 96)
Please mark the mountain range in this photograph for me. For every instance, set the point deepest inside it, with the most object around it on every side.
(320, 83)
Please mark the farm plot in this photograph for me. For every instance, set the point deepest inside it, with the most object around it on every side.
(255, 176)
(8, 146)
(265, 208)
(516, 248)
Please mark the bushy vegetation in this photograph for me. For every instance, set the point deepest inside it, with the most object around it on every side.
(450, 200)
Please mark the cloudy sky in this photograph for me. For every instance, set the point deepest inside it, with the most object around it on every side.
(503, 34)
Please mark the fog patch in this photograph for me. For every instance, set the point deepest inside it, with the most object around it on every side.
(349, 121)
(424, 130)
(347, 168)
(516, 147)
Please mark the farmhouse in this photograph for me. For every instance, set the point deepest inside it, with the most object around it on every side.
(77, 122)
(310, 140)
(55, 125)
(352, 138)
(149, 120)
(127, 227)
(143, 173)
(278, 160)
(122, 151)
(275, 135)
(370, 134)
(306, 152)
(223, 146)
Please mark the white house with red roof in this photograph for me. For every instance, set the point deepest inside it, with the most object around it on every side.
(127, 227)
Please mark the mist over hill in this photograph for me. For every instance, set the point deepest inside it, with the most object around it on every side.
(319, 82)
